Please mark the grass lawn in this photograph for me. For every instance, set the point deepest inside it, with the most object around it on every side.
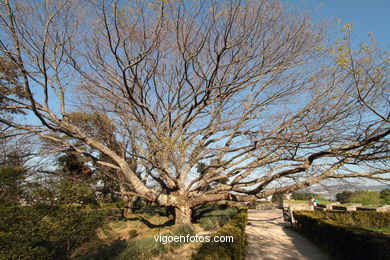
(116, 237)
(132, 237)
(296, 201)
(384, 230)
(323, 202)
(146, 225)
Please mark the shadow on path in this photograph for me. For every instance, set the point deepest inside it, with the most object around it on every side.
(269, 237)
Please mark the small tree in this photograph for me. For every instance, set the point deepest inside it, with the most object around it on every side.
(344, 197)
(303, 196)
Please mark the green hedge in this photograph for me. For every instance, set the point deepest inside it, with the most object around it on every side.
(226, 251)
(364, 219)
(341, 240)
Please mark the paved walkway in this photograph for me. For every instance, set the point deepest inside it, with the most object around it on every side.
(269, 238)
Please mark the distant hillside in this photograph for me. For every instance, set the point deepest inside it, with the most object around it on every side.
(339, 188)
(330, 191)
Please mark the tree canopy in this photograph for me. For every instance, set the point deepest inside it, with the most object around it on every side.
(250, 90)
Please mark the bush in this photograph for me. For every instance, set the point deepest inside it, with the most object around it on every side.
(302, 196)
(344, 197)
(217, 218)
(143, 206)
(343, 241)
(363, 219)
(385, 196)
(133, 233)
(43, 232)
(200, 211)
(226, 251)
(11, 185)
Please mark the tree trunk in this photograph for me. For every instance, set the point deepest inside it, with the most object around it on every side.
(183, 215)
(130, 204)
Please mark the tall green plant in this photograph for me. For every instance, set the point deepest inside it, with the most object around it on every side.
(385, 196)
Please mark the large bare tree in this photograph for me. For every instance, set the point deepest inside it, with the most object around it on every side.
(247, 89)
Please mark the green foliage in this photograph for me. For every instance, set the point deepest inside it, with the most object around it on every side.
(345, 241)
(133, 233)
(11, 184)
(344, 197)
(385, 196)
(143, 206)
(217, 218)
(363, 219)
(62, 192)
(302, 196)
(45, 232)
(212, 216)
(55, 222)
(230, 250)
(365, 197)
(201, 210)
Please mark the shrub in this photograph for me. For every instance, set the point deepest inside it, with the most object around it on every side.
(133, 233)
(303, 196)
(11, 185)
(43, 232)
(217, 218)
(385, 196)
(200, 211)
(226, 251)
(344, 197)
(143, 206)
(364, 219)
(344, 241)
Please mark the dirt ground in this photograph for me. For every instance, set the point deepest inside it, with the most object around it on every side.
(269, 238)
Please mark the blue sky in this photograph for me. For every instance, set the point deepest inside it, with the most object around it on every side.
(365, 15)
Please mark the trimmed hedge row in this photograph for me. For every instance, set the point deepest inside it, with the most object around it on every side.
(231, 250)
(343, 241)
(357, 218)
